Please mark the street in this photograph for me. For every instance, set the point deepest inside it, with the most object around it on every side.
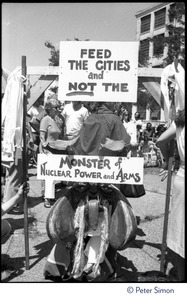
(141, 255)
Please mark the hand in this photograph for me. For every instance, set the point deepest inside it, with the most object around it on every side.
(24, 187)
(164, 166)
(164, 171)
(44, 144)
(33, 119)
(164, 174)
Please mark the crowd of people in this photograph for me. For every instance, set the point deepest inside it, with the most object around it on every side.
(92, 124)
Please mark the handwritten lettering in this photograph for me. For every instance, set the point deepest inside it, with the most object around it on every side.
(85, 162)
(123, 177)
(96, 53)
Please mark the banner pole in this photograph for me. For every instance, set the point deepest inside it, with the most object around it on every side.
(166, 215)
(24, 157)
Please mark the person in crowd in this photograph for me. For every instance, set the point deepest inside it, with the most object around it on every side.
(176, 224)
(121, 111)
(149, 131)
(126, 119)
(159, 130)
(135, 131)
(149, 151)
(139, 125)
(144, 145)
(91, 107)
(51, 129)
(34, 111)
(130, 127)
(6, 207)
(75, 115)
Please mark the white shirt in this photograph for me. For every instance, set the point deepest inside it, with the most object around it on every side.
(74, 119)
(34, 111)
(131, 130)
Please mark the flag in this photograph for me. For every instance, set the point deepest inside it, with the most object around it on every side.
(165, 103)
(4, 78)
(12, 116)
(175, 74)
(179, 88)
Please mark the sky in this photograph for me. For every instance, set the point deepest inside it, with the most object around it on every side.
(26, 27)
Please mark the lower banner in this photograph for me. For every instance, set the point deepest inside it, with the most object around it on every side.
(95, 169)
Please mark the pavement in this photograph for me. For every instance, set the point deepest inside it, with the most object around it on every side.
(141, 255)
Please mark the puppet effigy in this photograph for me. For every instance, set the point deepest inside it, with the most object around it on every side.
(90, 222)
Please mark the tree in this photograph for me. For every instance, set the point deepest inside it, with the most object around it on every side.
(143, 60)
(55, 53)
(54, 59)
(175, 40)
(176, 29)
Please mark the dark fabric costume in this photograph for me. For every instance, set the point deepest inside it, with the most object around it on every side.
(97, 127)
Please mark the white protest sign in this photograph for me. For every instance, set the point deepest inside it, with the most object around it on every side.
(98, 71)
(79, 168)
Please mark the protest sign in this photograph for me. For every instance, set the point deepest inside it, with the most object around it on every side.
(98, 71)
(95, 169)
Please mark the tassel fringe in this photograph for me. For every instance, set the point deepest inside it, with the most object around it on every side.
(104, 239)
(79, 224)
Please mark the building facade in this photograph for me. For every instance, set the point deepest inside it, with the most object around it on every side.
(151, 23)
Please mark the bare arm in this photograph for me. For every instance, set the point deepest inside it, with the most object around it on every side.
(164, 139)
(43, 131)
(6, 206)
(43, 142)
(31, 139)
(42, 137)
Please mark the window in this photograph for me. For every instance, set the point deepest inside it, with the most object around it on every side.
(144, 47)
(160, 18)
(145, 24)
(158, 45)
(155, 115)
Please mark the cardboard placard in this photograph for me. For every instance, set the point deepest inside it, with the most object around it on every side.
(95, 169)
(98, 71)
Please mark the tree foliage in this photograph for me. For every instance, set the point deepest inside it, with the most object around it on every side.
(54, 59)
(175, 39)
(143, 60)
